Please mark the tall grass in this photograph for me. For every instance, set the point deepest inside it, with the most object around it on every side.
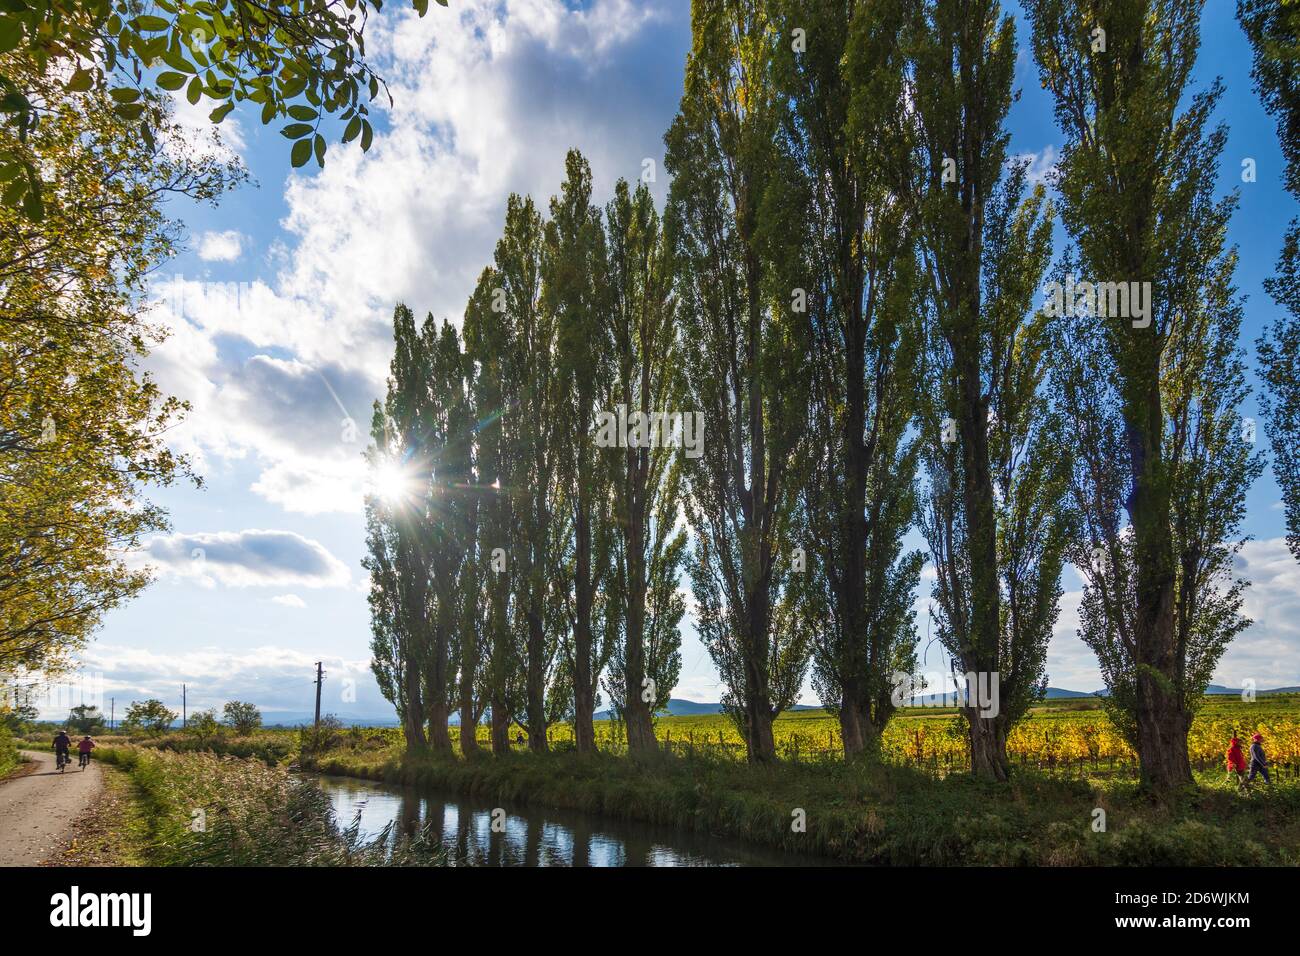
(204, 809)
(8, 752)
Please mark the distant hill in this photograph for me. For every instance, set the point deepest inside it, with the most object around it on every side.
(680, 707)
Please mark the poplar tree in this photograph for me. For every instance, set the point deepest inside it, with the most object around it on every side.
(851, 273)
(990, 519)
(1273, 28)
(1153, 399)
(575, 296)
(499, 675)
(527, 341)
(646, 359)
(400, 594)
(744, 361)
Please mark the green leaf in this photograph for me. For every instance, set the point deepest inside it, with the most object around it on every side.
(305, 113)
(124, 94)
(296, 130)
(171, 81)
(150, 24)
(318, 144)
(131, 111)
(353, 128)
(300, 153)
(81, 81)
(220, 112)
(268, 112)
(367, 135)
(11, 33)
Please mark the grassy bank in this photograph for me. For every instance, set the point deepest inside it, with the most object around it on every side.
(203, 809)
(878, 815)
(9, 759)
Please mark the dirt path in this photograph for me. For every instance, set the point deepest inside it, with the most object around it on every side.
(37, 811)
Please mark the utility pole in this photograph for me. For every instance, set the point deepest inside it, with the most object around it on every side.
(320, 676)
(112, 711)
(183, 718)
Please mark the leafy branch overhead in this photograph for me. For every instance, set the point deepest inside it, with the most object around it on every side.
(298, 61)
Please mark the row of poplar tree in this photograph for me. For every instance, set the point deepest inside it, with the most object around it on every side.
(848, 262)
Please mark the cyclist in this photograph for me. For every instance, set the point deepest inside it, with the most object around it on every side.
(84, 747)
(62, 743)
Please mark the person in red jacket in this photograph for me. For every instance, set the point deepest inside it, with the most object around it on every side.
(84, 747)
(1237, 761)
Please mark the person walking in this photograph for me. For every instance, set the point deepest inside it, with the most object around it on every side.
(1258, 761)
(1237, 762)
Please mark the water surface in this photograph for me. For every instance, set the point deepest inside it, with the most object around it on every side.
(533, 836)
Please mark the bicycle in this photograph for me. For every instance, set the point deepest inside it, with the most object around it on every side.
(62, 760)
(84, 759)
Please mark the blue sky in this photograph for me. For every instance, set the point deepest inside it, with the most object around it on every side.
(279, 312)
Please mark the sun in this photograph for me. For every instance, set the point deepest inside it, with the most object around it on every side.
(393, 483)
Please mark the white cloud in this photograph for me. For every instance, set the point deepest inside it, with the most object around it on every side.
(198, 133)
(225, 246)
(241, 559)
(289, 600)
(1042, 165)
(278, 680)
(489, 98)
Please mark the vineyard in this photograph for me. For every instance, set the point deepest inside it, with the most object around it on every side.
(1060, 736)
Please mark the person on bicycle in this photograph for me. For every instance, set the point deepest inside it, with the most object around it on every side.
(84, 747)
(62, 743)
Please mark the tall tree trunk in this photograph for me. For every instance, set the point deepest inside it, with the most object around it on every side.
(500, 726)
(468, 719)
(436, 685)
(584, 696)
(854, 705)
(637, 713)
(536, 680)
(413, 715)
(988, 746)
(761, 742)
(1162, 719)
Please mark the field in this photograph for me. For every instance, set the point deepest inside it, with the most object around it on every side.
(1071, 737)
(918, 808)
(1065, 736)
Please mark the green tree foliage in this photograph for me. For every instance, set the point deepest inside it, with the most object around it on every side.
(203, 726)
(297, 60)
(646, 359)
(150, 716)
(743, 352)
(1273, 27)
(242, 716)
(575, 293)
(81, 426)
(86, 719)
(527, 338)
(850, 259)
(499, 671)
(991, 518)
(397, 515)
(1152, 404)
